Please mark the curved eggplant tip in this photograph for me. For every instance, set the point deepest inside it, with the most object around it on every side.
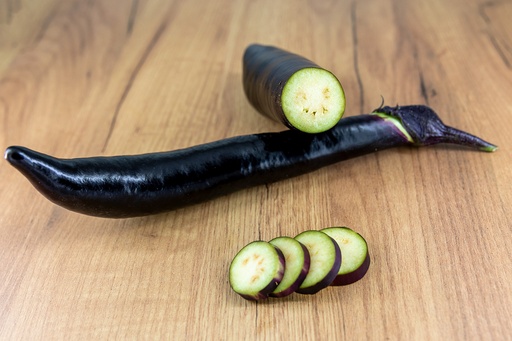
(13, 154)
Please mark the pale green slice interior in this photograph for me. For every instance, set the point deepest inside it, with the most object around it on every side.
(294, 260)
(354, 248)
(322, 253)
(254, 267)
(313, 100)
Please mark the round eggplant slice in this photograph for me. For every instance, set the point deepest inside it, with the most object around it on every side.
(297, 262)
(354, 250)
(256, 270)
(325, 261)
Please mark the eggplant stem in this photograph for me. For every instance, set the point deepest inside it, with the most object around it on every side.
(425, 128)
(456, 136)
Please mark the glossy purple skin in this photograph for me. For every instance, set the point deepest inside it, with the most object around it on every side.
(329, 278)
(139, 185)
(264, 293)
(354, 276)
(304, 272)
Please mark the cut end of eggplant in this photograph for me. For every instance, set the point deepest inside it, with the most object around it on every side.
(256, 270)
(354, 250)
(313, 100)
(292, 89)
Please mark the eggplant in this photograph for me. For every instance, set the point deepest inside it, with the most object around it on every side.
(292, 89)
(297, 264)
(138, 185)
(306, 264)
(326, 259)
(256, 270)
(355, 254)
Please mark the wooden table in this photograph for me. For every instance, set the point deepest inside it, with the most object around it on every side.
(85, 78)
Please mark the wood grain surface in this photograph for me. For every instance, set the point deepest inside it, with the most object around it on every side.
(99, 77)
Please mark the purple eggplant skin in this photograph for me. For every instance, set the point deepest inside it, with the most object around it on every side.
(354, 276)
(264, 293)
(153, 183)
(304, 272)
(329, 278)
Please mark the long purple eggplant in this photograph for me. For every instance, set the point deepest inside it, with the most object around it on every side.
(139, 185)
